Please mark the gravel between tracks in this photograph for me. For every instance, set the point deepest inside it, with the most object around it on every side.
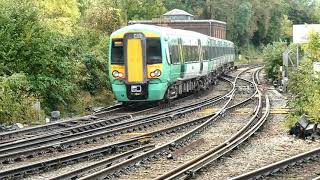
(309, 170)
(269, 145)
(220, 131)
(219, 89)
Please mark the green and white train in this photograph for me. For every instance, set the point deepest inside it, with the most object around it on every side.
(151, 63)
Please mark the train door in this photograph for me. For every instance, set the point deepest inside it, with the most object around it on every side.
(201, 55)
(182, 54)
(175, 66)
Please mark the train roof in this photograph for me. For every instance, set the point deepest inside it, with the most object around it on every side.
(163, 31)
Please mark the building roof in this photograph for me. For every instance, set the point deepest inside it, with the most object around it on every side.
(178, 21)
(177, 12)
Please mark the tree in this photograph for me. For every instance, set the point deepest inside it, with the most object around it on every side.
(139, 9)
(26, 46)
(242, 21)
(196, 8)
(61, 15)
(102, 16)
(303, 11)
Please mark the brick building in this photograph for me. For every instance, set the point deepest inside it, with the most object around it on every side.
(180, 19)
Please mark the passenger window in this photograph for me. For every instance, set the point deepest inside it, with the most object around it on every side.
(174, 51)
(185, 53)
(117, 56)
(194, 54)
(215, 51)
(196, 51)
(154, 55)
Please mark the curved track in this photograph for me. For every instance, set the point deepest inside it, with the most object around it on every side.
(164, 149)
(190, 168)
(279, 166)
(118, 128)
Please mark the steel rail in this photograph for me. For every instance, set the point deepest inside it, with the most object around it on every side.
(67, 125)
(28, 150)
(278, 166)
(21, 172)
(68, 159)
(190, 168)
(163, 149)
(156, 133)
(104, 163)
(317, 178)
(50, 126)
(31, 169)
(73, 130)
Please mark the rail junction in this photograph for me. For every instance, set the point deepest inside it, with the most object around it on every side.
(116, 142)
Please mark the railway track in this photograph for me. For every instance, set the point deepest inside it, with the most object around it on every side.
(97, 119)
(30, 148)
(190, 168)
(115, 113)
(25, 149)
(271, 169)
(37, 167)
(164, 149)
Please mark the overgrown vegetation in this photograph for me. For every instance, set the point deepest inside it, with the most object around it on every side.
(272, 55)
(59, 61)
(305, 84)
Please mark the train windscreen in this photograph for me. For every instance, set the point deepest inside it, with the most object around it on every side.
(154, 51)
(117, 56)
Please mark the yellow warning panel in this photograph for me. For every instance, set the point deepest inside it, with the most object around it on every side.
(134, 134)
(135, 60)
(209, 111)
(280, 110)
(242, 111)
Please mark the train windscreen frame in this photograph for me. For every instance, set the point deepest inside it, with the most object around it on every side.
(117, 52)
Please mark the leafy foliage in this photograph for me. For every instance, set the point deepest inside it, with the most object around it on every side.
(15, 99)
(102, 16)
(57, 65)
(43, 56)
(305, 84)
(61, 15)
(272, 54)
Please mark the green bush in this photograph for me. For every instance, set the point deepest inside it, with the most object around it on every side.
(304, 84)
(90, 48)
(15, 100)
(62, 69)
(26, 46)
(272, 55)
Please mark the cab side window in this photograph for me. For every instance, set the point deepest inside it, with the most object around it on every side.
(117, 56)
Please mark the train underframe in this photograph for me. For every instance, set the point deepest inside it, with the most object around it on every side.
(196, 84)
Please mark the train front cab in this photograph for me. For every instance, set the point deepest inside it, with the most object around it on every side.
(137, 70)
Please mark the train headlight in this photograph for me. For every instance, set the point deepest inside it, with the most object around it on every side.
(155, 73)
(115, 74)
(120, 75)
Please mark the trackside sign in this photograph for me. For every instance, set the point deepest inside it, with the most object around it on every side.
(301, 32)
